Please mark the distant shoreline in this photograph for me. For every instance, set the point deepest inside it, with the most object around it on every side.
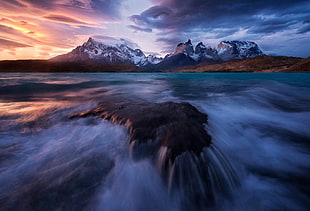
(257, 64)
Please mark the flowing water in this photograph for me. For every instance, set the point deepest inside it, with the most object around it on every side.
(259, 123)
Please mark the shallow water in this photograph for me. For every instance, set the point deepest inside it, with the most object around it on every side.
(259, 122)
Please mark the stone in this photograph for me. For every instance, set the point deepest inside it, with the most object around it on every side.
(178, 126)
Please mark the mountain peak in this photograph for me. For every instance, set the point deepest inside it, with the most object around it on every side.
(189, 42)
(200, 44)
(90, 43)
(98, 52)
(236, 49)
(185, 54)
(91, 40)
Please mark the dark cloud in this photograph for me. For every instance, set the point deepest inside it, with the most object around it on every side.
(137, 28)
(304, 29)
(212, 13)
(221, 18)
(107, 8)
(156, 17)
(7, 44)
(64, 19)
(271, 26)
(170, 42)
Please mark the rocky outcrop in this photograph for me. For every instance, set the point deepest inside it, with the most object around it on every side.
(173, 61)
(177, 126)
(185, 54)
(174, 136)
(238, 50)
(94, 51)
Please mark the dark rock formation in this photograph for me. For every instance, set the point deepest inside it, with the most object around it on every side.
(173, 135)
(94, 51)
(173, 61)
(177, 126)
(189, 48)
(205, 54)
(238, 50)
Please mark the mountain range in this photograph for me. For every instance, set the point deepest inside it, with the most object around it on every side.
(227, 56)
(184, 54)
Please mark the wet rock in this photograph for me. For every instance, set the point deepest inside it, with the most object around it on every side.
(173, 135)
(179, 127)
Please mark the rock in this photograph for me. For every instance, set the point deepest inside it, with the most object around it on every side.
(177, 126)
(173, 135)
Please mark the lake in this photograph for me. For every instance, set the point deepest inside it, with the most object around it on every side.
(259, 123)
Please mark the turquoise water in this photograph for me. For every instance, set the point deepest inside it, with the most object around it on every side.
(259, 121)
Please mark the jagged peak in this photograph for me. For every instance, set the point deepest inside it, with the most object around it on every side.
(90, 39)
(98, 51)
(189, 42)
(91, 42)
(200, 45)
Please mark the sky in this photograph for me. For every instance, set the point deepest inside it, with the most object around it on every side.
(42, 29)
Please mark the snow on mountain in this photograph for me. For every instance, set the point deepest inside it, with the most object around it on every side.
(230, 50)
(225, 51)
(95, 51)
(154, 59)
(186, 48)
(203, 53)
(184, 54)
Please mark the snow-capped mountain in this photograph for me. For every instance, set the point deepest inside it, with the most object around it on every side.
(94, 51)
(231, 50)
(225, 51)
(184, 54)
(154, 59)
(203, 53)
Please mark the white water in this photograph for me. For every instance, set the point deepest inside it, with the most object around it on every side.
(259, 123)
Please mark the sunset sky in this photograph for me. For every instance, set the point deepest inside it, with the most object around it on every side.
(41, 29)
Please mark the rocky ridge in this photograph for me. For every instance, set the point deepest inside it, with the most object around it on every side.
(184, 54)
(94, 51)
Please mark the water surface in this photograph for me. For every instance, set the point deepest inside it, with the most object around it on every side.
(259, 121)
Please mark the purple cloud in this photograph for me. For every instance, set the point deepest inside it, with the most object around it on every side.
(215, 19)
(7, 44)
(137, 28)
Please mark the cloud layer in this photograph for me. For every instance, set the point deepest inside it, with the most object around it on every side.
(220, 19)
(46, 28)
(58, 24)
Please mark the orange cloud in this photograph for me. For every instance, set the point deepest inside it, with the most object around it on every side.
(11, 44)
(64, 19)
(28, 26)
